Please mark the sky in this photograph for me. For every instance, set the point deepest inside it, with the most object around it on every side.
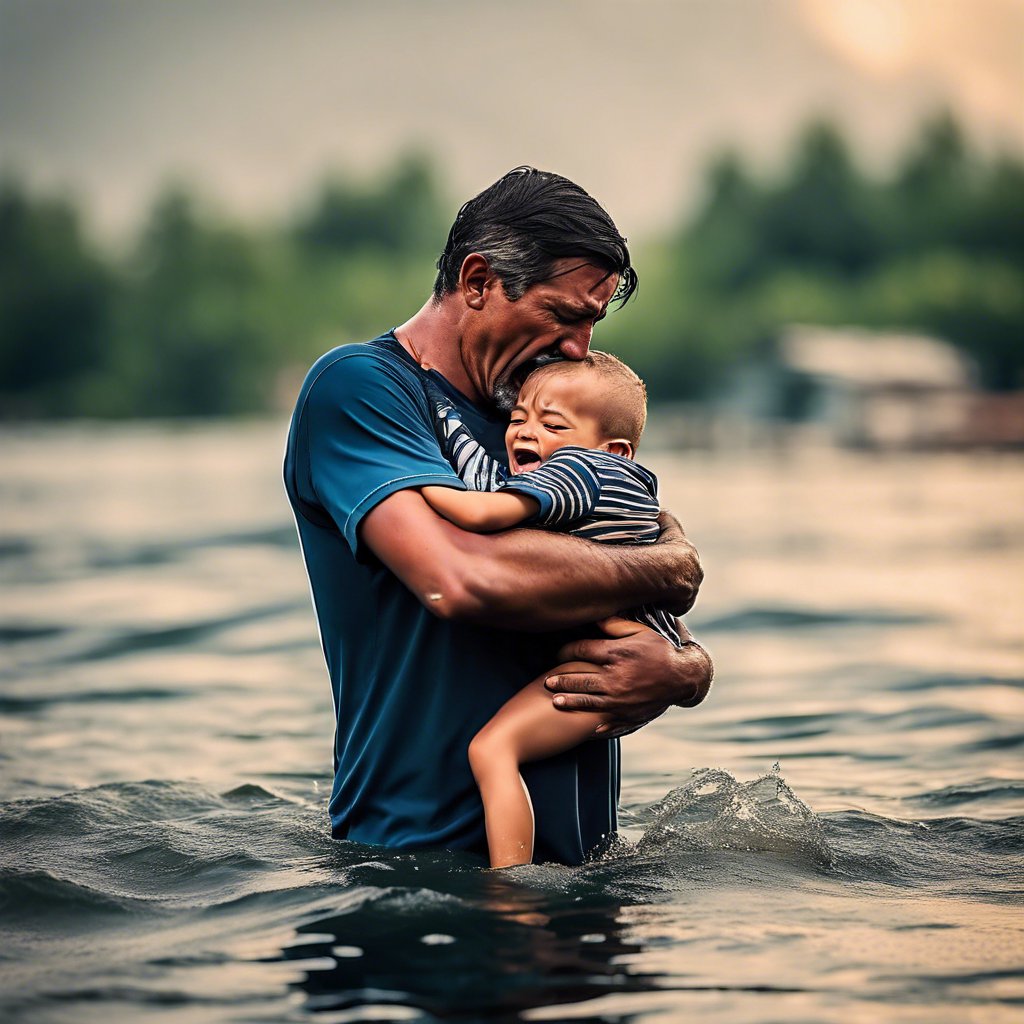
(256, 100)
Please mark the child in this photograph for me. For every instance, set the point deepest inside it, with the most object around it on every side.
(570, 445)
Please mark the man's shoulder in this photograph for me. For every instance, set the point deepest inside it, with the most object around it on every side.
(359, 362)
(370, 372)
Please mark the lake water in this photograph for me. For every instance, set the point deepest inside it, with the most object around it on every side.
(835, 835)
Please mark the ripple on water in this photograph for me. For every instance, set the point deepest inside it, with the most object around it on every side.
(154, 845)
(758, 618)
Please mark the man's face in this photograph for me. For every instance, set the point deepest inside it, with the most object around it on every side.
(554, 318)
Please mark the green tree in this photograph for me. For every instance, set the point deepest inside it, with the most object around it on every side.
(821, 217)
(55, 297)
(192, 335)
(934, 193)
(726, 231)
(400, 211)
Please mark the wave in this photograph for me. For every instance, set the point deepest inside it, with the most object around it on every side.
(944, 681)
(91, 553)
(132, 641)
(155, 843)
(716, 816)
(14, 634)
(11, 704)
(155, 846)
(776, 618)
(716, 811)
(37, 894)
(980, 791)
(170, 551)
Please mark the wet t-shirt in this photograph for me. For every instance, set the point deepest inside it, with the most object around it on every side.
(410, 690)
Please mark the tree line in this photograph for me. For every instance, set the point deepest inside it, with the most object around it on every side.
(205, 316)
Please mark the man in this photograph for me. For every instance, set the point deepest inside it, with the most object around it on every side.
(427, 630)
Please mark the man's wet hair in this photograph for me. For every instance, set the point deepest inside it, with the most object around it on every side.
(624, 411)
(525, 222)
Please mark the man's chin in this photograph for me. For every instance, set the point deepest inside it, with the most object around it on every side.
(506, 390)
(504, 395)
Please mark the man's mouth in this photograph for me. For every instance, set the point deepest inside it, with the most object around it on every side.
(520, 374)
(524, 459)
(506, 391)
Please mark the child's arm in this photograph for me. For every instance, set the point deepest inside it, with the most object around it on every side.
(480, 511)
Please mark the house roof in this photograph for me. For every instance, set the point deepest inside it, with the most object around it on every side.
(874, 359)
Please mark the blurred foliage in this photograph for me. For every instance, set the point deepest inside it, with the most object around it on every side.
(56, 298)
(937, 247)
(202, 316)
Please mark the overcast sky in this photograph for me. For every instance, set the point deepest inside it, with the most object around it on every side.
(255, 99)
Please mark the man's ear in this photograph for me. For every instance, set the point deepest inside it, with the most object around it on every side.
(475, 280)
(620, 446)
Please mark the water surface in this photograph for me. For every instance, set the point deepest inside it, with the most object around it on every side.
(836, 834)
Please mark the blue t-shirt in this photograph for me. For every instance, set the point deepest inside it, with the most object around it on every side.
(410, 690)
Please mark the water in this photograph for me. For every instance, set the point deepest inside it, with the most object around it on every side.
(836, 834)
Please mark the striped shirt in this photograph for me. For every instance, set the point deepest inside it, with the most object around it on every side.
(584, 491)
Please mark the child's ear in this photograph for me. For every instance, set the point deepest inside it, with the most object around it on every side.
(620, 446)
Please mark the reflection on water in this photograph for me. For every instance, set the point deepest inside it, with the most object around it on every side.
(475, 944)
(166, 724)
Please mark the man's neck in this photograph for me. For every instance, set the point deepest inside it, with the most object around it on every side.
(433, 338)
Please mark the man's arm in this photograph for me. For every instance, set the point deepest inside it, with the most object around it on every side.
(526, 579)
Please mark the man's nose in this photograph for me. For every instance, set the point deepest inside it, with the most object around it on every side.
(577, 344)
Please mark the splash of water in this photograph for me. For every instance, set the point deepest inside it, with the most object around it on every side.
(716, 811)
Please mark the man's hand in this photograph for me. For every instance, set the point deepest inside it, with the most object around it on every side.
(634, 676)
(672, 533)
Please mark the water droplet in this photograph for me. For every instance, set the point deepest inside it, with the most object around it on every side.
(437, 939)
(593, 937)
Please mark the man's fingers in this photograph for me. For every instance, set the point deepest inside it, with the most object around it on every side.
(575, 683)
(614, 732)
(581, 702)
(597, 652)
(602, 652)
(623, 725)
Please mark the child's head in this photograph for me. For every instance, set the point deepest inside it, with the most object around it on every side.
(595, 402)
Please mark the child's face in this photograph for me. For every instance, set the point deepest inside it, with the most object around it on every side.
(553, 410)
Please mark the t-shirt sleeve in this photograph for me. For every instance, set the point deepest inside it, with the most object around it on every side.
(566, 486)
(369, 435)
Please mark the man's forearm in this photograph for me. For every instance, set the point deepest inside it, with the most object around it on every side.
(534, 580)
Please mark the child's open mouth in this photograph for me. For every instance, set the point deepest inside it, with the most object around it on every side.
(523, 460)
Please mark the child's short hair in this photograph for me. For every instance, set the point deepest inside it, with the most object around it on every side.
(625, 413)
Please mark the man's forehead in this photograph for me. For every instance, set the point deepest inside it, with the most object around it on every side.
(578, 275)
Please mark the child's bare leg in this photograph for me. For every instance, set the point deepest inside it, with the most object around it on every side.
(527, 728)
